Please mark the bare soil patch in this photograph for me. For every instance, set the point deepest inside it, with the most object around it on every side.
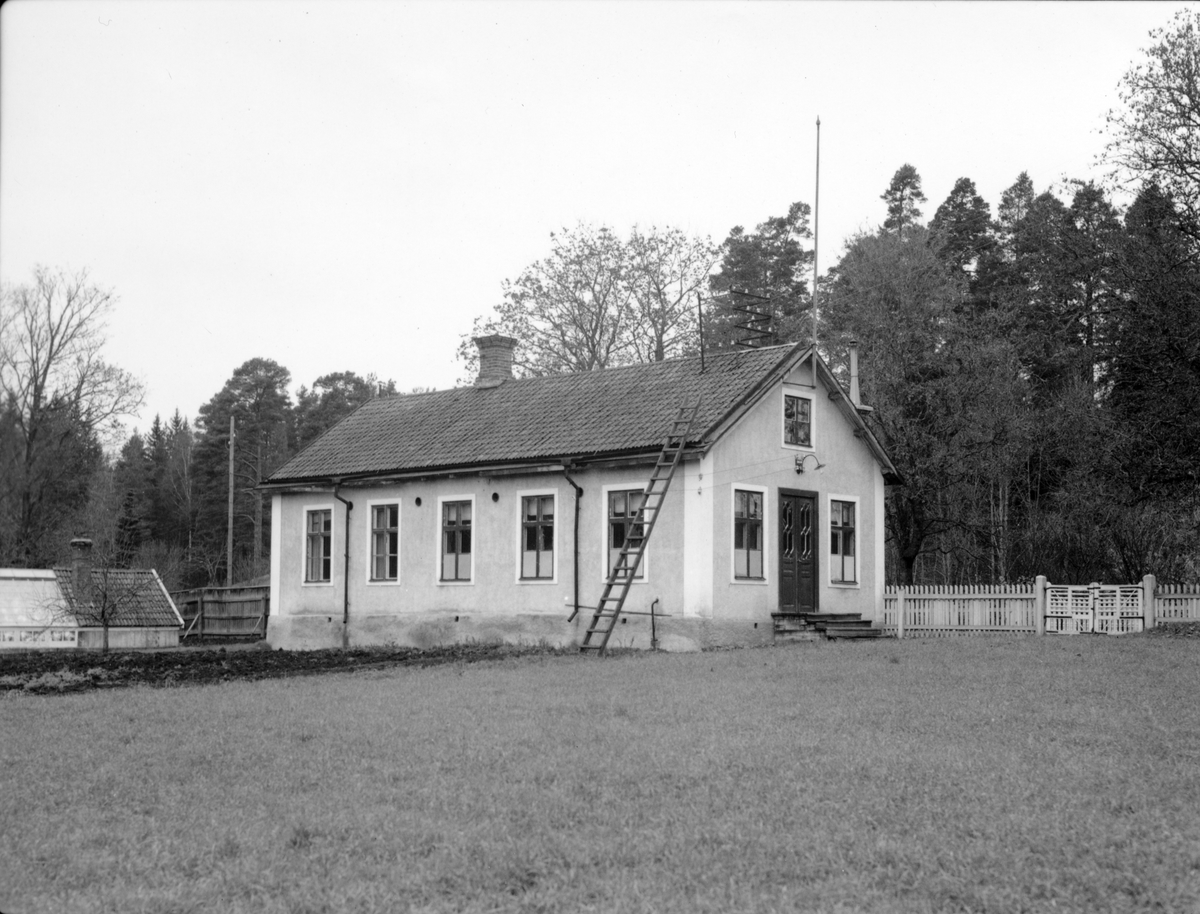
(46, 672)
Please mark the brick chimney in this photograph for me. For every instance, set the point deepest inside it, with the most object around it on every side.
(81, 569)
(495, 359)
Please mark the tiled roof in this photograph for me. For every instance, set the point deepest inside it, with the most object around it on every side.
(131, 597)
(618, 410)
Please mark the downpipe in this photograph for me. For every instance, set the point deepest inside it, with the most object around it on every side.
(575, 544)
(345, 569)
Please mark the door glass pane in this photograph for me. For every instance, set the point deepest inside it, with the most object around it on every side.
(787, 526)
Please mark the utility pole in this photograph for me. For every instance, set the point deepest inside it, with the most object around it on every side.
(229, 526)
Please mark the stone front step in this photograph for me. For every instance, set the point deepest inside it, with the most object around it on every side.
(789, 626)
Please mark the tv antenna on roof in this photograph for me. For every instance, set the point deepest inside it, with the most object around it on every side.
(756, 323)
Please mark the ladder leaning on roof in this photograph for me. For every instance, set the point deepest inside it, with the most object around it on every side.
(620, 578)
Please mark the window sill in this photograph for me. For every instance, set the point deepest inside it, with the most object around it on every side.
(751, 581)
(316, 583)
(454, 583)
(537, 580)
(846, 585)
(392, 582)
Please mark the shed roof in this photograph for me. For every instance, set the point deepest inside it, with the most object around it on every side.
(581, 415)
(132, 598)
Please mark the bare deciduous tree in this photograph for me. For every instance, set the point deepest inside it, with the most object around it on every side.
(599, 302)
(666, 269)
(57, 397)
(1155, 134)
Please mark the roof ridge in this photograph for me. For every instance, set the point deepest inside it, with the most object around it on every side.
(633, 366)
(604, 411)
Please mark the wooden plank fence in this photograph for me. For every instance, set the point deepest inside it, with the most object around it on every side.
(224, 611)
(1035, 608)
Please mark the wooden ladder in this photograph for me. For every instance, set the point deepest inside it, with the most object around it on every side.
(620, 579)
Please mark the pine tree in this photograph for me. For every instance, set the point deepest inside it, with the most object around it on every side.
(256, 397)
(902, 197)
(961, 228)
(772, 265)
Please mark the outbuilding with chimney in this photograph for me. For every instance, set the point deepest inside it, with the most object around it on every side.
(86, 606)
(533, 509)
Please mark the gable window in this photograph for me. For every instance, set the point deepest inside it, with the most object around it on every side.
(456, 541)
(319, 546)
(622, 526)
(842, 567)
(747, 534)
(797, 421)
(385, 542)
(537, 537)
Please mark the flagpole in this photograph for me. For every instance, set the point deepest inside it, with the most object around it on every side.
(816, 244)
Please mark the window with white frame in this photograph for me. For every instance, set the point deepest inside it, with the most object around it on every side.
(456, 541)
(318, 564)
(747, 534)
(537, 537)
(623, 507)
(797, 420)
(385, 542)
(843, 568)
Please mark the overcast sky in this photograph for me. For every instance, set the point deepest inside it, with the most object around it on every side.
(345, 185)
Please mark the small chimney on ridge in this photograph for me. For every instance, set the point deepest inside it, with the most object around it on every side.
(81, 569)
(855, 395)
(495, 359)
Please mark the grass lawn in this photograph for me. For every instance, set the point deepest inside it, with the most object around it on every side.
(1032, 774)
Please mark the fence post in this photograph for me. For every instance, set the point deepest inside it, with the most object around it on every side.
(200, 614)
(1039, 604)
(1148, 603)
(900, 612)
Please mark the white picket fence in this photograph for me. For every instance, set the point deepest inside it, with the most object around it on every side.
(1177, 603)
(1037, 608)
(944, 610)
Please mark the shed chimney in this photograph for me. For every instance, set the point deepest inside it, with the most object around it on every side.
(81, 569)
(855, 395)
(495, 359)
